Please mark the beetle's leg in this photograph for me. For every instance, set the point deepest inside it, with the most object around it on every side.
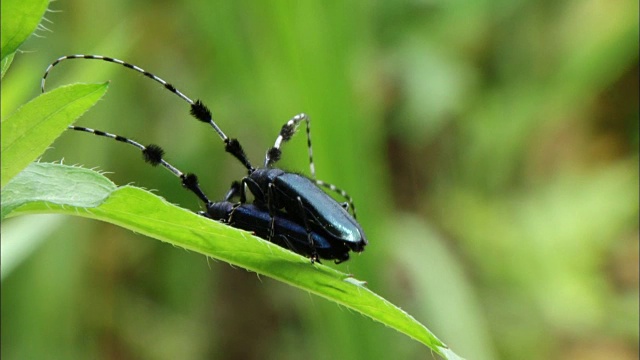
(239, 189)
(236, 190)
(312, 246)
(270, 206)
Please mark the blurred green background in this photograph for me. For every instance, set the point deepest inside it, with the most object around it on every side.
(491, 148)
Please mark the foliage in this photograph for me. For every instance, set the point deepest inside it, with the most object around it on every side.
(56, 188)
(491, 149)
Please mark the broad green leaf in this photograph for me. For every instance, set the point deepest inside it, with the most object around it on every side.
(56, 184)
(28, 132)
(6, 62)
(54, 188)
(19, 19)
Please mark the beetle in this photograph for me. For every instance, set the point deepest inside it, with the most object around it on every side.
(278, 227)
(276, 193)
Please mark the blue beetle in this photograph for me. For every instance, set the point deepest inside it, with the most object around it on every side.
(293, 197)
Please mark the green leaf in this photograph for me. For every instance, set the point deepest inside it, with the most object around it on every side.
(56, 184)
(6, 62)
(19, 19)
(33, 127)
(54, 188)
